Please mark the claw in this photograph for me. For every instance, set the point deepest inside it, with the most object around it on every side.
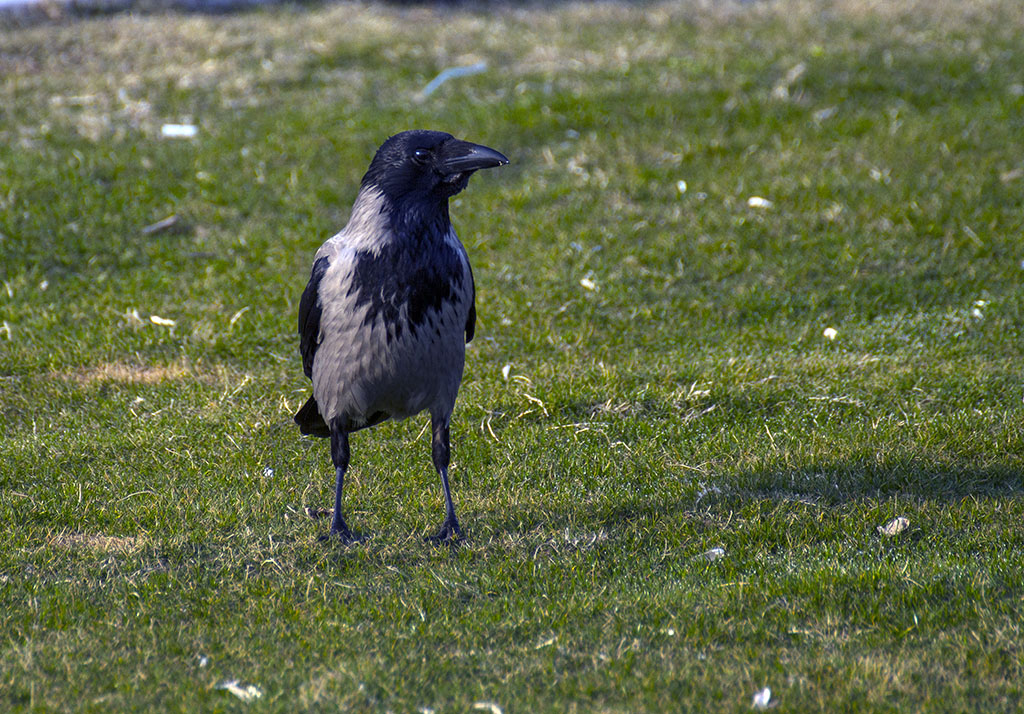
(345, 537)
(450, 534)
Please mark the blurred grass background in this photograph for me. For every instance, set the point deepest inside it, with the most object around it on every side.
(668, 390)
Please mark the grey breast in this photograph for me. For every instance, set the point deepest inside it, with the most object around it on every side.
(392, 331)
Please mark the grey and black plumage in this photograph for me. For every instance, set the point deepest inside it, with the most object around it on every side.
(390, 305)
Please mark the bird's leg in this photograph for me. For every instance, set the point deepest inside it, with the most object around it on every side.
(339, 456)
(441, 453)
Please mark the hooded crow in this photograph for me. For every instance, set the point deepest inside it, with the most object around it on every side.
(390, 306)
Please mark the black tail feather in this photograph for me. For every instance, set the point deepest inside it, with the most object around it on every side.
(309, 420)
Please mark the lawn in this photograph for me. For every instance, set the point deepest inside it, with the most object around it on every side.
(687, 415)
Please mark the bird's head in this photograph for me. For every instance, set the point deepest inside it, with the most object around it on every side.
(427, 166)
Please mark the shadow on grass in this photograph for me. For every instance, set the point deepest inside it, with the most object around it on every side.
(838, 483)
(825, 485)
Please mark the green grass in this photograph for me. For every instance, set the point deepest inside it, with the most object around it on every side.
(153, 488)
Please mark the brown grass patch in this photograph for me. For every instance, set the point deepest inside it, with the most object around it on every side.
(96, 541)
(122, 373)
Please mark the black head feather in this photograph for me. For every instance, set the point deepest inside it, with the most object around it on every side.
(427, 166)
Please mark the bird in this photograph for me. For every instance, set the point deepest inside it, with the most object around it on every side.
(390, 306)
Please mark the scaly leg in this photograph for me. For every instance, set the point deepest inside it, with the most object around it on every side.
(339, 456)
(441, 453)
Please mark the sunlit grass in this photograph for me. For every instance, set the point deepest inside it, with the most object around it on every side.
(651, 377)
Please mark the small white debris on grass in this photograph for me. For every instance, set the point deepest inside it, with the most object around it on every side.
(488, 707)
(268, 472)
(758, 202)
(830, 333)
(795, 72)
(713, 554)
(895, 526)
(762, 699)
(178, 131)
(588, 283)
(247, 693)
(203, 660)
(133, 318)
(163, 321)
(781, 90)
(681, 186)
(237, 315)
(162, 225)
(832, 213)
(823, 114)
(44, 284)
(505, 371)
(1011, 175)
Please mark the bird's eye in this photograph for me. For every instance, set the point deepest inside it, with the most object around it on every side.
(421, 155)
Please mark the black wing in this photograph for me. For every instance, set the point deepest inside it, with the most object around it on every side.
(309, 316)
(471, 318)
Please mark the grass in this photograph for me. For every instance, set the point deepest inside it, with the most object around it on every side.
(153, 488)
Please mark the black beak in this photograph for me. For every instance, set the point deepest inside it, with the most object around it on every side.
(462, 156)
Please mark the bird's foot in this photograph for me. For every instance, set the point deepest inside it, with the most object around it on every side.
(343, 536)
(450, 534)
